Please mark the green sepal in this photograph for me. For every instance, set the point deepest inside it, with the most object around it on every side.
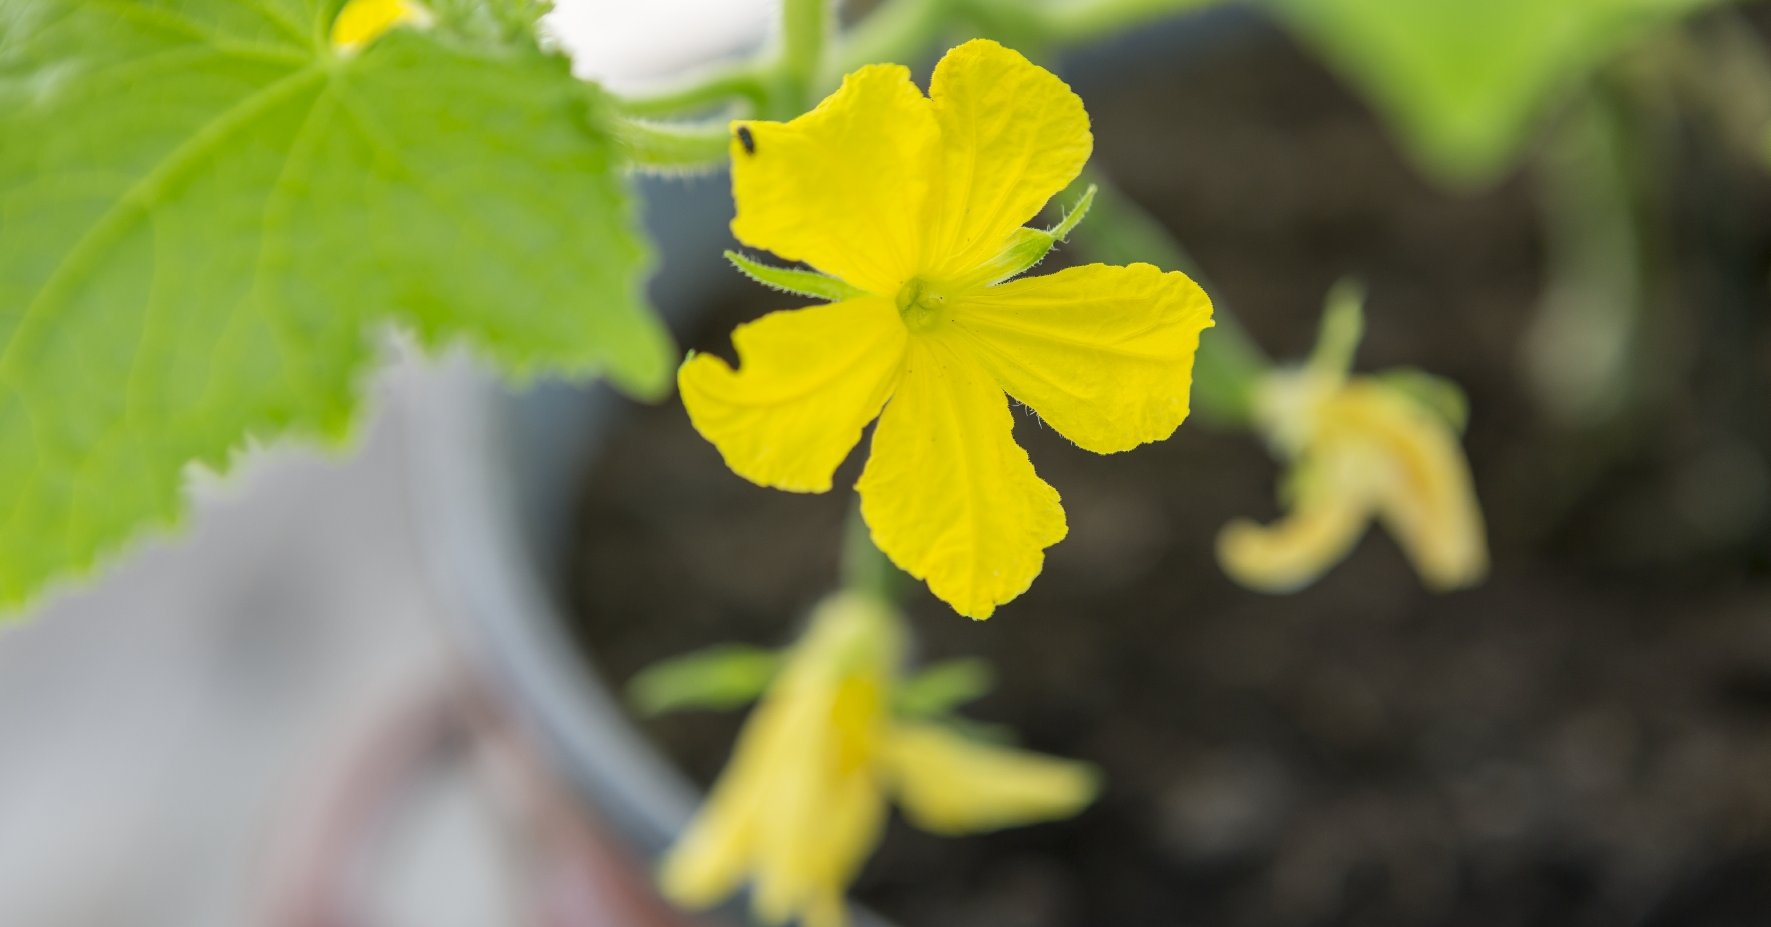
(943, 687)
(1437, 394)
(1342, 328)
(720, 678)
(1001, 735)
(1028, 246)
(807, 283)
(1074, 217)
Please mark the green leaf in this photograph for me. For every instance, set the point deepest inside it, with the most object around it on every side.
(807, 283)
(943, 687)
(722, 678)
(208, 217)
(1465, 81)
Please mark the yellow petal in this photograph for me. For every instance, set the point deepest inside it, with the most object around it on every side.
(800, 804)
(1327, 519)
(808, 381)
(1103, 354)
(707, 864)
(1012, 136)
(826, 909)
(1364, 449)
(364, 21)
(1428, 503)
(843, 187)
(719, 849)
(779, 763)
(947, 493)
(817, 835)
(948, 784)
(825, 810)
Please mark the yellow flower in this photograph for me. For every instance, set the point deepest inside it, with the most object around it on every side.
(364, 21)
(914, 205)
(803, 801)
(1359, 448)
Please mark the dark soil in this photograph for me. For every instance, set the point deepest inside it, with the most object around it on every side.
(1585, 739)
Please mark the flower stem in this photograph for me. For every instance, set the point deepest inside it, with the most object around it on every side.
(674, 147)
(898, 30)
(805, 33)
(1074, 22)
(895, 30)
(1039, 28)
(865, 568)
(721, 88)
(1583, 348)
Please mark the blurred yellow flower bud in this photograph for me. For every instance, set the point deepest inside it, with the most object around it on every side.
(803, 801)
(1359, 449)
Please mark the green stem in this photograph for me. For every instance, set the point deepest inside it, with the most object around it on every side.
(669, 147)
(717, 89)
(864, 567)
(787, 86)
(1342, 328)
(1073, 22)
(1050, 26)
(805, 33)
(896, 30)
(1583, 347)
(1229, 364)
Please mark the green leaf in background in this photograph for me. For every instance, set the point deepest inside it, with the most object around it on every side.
(207, 216)
(1464, 81)
(720, 678)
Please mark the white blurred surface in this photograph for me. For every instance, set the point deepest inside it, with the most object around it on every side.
(639, 43)
(157, 722)
(163, 725)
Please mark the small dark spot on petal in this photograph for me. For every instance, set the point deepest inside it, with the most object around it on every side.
(747, 140)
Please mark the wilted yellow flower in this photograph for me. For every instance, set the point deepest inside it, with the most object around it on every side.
(914, 206)
(1360, 449)
(803, 801)
(364, 21)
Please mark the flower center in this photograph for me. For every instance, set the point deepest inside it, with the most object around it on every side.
(921, 304)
